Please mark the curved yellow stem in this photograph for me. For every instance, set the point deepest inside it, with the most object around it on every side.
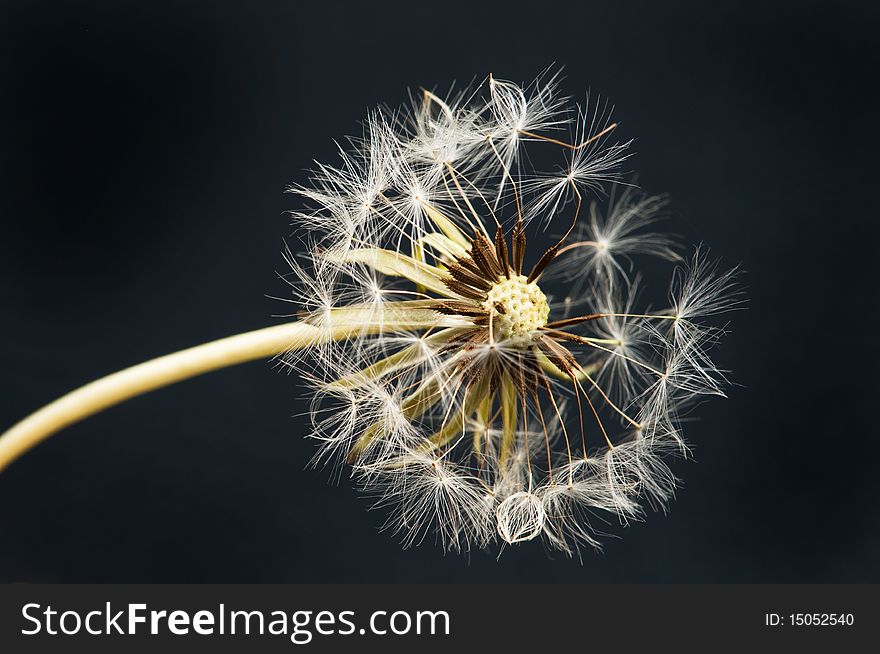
(353, 321)
(156, 373)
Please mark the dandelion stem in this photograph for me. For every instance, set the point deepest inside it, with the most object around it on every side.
(156, 373)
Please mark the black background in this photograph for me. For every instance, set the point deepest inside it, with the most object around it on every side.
(144, 148)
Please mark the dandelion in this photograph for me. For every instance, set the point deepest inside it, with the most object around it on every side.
(460, 392)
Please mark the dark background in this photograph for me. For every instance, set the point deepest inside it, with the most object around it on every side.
(144, 148)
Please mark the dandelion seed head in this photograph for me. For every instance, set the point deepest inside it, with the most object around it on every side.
(472, 406)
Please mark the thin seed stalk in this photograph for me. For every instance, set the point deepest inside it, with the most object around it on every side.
(508, 399)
